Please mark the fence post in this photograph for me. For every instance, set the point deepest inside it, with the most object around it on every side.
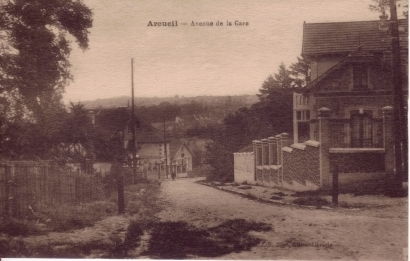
(335, 187)
(7, 191)
(120, 187)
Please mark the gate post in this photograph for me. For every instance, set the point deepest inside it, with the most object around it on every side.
(388, 140)
(7, 191)
(324, 161)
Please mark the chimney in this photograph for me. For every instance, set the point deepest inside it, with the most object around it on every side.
(383, 26)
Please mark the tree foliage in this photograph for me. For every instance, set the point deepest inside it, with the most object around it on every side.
(270, 116)
(36, 36)
(379, 6)
(382, 6)
(36, 39)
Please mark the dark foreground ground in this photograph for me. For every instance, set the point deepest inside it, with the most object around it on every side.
(201, 222)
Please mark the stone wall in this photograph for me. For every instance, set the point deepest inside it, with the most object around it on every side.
(309, 165)
(301, 166)
(244, 167)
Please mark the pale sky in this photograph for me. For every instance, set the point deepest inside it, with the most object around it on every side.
(191, 60)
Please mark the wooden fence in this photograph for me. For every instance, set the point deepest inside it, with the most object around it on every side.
(24, 185)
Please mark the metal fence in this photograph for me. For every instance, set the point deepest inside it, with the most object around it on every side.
(345, 133)
(24, 185)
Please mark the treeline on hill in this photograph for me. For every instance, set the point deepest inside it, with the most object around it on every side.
(272, 115)
(167, 111)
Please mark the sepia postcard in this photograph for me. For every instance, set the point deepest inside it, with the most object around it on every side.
(208, 129)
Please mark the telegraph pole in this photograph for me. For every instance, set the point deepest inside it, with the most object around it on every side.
(165, 145)
(134, 138)
(400, 126)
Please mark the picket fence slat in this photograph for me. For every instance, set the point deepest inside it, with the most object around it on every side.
(27, 186)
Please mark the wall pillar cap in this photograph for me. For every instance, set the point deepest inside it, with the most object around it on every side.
(284, 134)
(387, 111)
(256, 141)
(271, 138)
(387, 108)
(264, 140)
(324, 112)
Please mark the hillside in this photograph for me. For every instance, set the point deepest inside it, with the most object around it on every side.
(214, 101)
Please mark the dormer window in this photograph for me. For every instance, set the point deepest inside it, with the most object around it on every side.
(360, 77)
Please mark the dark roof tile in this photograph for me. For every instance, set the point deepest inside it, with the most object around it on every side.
(345, 37)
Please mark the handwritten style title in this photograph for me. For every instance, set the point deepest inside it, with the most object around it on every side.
(193, 23)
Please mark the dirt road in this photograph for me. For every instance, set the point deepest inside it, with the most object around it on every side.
(295, 233)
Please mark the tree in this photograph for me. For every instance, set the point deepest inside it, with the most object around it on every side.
(379, 6)
(300, 72)
(270, 116)
(36, 45)
(78, 130)
(283, 77)
(382, 6)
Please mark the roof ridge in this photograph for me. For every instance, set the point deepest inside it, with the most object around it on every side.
(377, 20)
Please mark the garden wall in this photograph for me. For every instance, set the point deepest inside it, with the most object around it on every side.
(244, 165)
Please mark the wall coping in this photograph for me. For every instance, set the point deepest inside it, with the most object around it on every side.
(243, 153)
(275, 167)
(287, 149)
(268, 167)
(356, 150)
(299, 146)
(312, 143)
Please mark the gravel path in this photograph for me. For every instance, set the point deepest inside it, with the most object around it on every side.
(297, 233)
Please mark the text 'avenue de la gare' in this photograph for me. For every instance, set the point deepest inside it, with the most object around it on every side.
(196, 23)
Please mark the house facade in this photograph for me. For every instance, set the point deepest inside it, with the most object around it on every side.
(342, 121)
(150, 147)
(350, 75)
(181, 158)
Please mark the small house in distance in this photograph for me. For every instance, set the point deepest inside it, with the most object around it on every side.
(181, 158)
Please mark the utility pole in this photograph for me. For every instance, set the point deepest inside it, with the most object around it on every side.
(134, 138)
(165, 145)
(400, 126)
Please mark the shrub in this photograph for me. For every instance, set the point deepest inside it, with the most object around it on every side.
(13, 227)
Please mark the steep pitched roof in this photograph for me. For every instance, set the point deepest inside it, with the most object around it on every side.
(175, 145)
(345, 37)
(359, 55)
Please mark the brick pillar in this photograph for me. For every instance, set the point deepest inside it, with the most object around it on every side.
(388, 139)
(286, 142)
(265, 160)
(273, 159)
(279, 156)
(265, 152)
(255, 155)
(324, 160)
(279, 149)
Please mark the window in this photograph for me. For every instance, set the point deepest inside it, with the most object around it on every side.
(360, 77)
(361, 129)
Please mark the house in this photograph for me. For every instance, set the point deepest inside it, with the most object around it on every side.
(181, 158)
(150, 146)
(342, 121)
(351, 75)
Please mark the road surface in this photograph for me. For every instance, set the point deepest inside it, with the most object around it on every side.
(296, 233)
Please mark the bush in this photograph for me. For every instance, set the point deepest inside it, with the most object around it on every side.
(13, 227)
(63, 217)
